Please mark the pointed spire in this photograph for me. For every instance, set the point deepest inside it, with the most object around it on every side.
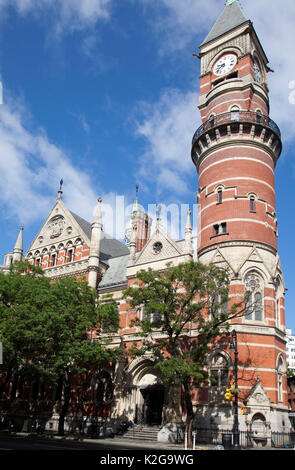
(188, 233)
(132, 244)
(188, 227)
(231, 17)
(159, 217)
(97, 219)
(135, 203)
(93, 261)
(18, 248)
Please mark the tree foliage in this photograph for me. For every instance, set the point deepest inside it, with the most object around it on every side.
(46, 327)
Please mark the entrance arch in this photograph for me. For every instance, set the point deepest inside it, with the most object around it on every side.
(150, 403)
(148, 392)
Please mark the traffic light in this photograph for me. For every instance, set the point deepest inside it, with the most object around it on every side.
(228, 394)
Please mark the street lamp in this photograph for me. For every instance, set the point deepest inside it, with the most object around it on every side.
(236, 432)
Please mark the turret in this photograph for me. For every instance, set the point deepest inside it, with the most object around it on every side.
(18, 248)
(93, 263)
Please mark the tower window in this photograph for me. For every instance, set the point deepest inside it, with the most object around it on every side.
(252, 204)
(220, 229)
(235, 113)
(53, 260)
(223, 227)
(254, 304)
(219, 196)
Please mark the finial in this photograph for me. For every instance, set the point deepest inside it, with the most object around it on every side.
(188, 227)
(59, 192)
(135, 203)
(159, 211)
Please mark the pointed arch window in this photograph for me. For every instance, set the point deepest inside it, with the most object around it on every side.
(281, 372)
(254, 301)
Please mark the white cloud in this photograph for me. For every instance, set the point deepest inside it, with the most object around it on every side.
(65, 15)
(167, 128)
(31, 167)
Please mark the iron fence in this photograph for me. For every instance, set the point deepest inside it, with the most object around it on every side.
(216, 437)
(248, 439)
(282, 439)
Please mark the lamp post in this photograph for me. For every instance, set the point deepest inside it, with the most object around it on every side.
(236, 432)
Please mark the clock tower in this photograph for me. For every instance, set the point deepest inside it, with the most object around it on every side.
(235, 152)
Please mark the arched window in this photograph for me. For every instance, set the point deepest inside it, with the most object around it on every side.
(281, 371)
(102, 388)
(254, 297)
(235, 113)
(252, 204)
(218, 369)
(219, 195)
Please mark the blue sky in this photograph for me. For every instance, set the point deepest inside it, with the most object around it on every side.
(104, 93)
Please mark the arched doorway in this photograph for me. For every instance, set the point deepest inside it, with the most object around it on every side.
(150, 400)
(153, 397)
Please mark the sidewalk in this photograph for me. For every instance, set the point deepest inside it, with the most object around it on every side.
(130, 444)
(114, 442)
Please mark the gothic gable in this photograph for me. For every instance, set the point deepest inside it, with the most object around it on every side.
(60, 227)
(258, 396)
(159, 247)
(220, 260)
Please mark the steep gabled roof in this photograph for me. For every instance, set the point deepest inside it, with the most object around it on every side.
(231, 17)
(109, 247)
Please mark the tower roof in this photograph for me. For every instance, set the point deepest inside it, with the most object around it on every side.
(231, 17)
(19, 242)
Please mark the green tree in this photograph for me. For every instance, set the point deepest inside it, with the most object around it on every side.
(190, 296)
(22, 292)
(46, 328)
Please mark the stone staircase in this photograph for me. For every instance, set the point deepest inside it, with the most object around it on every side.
(142, 433)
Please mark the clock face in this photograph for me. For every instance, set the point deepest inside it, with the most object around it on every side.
(257, 73)
(225, 64)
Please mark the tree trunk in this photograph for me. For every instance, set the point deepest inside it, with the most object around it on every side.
(189, 414)
(65, 407)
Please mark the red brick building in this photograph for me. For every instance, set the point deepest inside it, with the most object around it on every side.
(235, 151)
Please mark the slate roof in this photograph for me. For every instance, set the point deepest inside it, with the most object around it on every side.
(109, 247)
(116, 272)
(231, 17)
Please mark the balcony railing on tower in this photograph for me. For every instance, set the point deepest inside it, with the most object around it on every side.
(237, 116)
